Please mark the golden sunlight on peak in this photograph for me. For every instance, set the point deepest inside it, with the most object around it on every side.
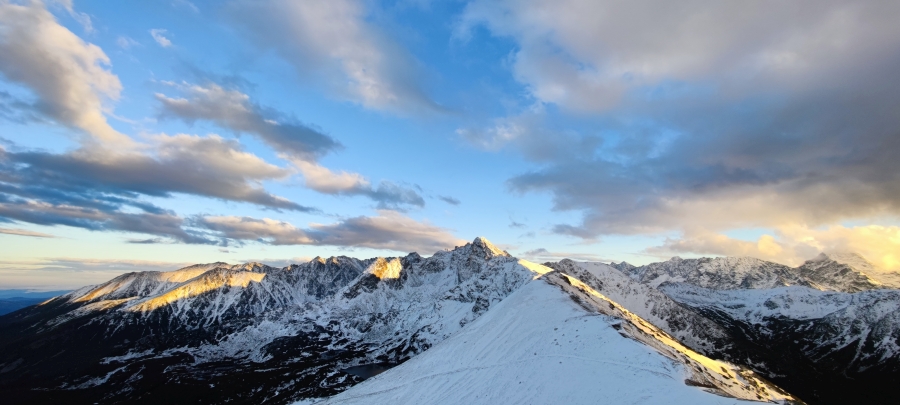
(538, 269)
(384, 269)
(197, 287)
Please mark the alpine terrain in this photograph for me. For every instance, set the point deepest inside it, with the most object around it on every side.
(468, 325)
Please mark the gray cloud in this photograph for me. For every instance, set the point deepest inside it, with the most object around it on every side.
(388, 230)
(205, 166)
(99, 189)
(233, 110)
(299, 143)
(167, 224)
(332, 42)
(449, 200)
(703, 115)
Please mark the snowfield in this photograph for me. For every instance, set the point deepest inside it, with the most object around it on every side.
(535, 347)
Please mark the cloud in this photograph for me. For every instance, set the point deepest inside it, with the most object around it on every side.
(125, 42)
(100, 189)
(42, 213)
(185, 4)
(81, 18)
(540, 255)
(389, 195)
(652, 118)
(388, 230)
(23, 232)
(159, 35)
(449, 200)
(333, 40)
(792, 245)
(204, 166)
(233, 110)
(299, 143)
(66, 273)
(588, 55)
(68, 76)
(279, 262)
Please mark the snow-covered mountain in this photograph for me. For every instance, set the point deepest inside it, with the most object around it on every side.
(543, 347)
(682, 322)
(847, 272)
(827, 330)
(252, 333)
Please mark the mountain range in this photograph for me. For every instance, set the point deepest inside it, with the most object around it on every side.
(473, 325)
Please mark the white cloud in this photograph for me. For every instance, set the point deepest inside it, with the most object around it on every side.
(126, 42)
(159, 35)
(323, 180)
(793, 244)
(332, 40)
(68, 75)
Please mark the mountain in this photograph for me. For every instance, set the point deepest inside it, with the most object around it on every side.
(14, 300)
(828, 330)
(723, 273)
(848, 272)
(683, 323)
(219, 333)
(543, 347)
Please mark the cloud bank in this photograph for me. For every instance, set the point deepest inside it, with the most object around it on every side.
(652, 117)
(388, 230)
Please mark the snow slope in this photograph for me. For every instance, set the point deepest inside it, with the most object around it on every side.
(541, 346)
(690, 328)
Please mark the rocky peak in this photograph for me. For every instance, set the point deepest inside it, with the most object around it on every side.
(484, 248)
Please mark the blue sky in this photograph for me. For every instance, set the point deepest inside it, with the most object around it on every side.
(143, 136)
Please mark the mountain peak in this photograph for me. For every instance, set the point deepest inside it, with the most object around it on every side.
(488, 247)
(852, 259)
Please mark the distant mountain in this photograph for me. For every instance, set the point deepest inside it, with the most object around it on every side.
(251, 333)
(828, 330)
(14, 300)
(846, 272)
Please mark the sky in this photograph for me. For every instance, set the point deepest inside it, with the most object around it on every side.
(151, 135)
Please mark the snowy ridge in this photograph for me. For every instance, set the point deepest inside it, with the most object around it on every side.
(538, 346)
(715, 376)
(688, 327)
